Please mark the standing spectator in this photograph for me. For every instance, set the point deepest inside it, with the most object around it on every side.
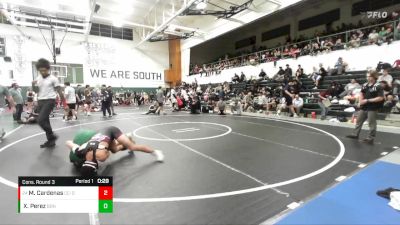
(70, 97)
(4, 94)
(88, 100)
(297, 104)
(48, 86)
(242, 78)
(290, 91)
(386, 77)
(15, 93)
(30, 97)
(371, 100)
(160, 99)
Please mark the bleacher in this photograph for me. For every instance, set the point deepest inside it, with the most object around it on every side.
(310, 95)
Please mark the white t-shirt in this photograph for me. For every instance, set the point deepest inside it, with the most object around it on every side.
(262, 100)
(47, 87)
(70, 95)
(298, 102)
(388, 78)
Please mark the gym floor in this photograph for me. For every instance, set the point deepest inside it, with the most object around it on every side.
(217, 169)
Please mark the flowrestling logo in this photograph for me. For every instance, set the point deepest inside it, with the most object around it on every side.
(374, 15)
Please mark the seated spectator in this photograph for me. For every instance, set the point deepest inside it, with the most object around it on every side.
(221, 106)
(388, 95)
(242, 78)
(280, 76)
(195, 105)
(262, 75)
(354, 42)
(373, 37)
(261, 103)
(396, 64)
(271, 104)
(386, 77)
(248, 101)
(299, 72)
(340, 67)
(297, 104)
(280, 106)
(319, 76)
(349, 88)
(338, 44)
(236, 107)
(235, 79)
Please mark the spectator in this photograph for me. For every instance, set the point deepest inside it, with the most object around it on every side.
(386, 77)
(30, 98)
(339, 68)
(288, 72)
(242, 78)
(389, 98)
(262, 75)
(70, 98)
(248, 101)
(370, 102)
(350, 87)
(396, 64)
(373, 37)
(236, 107)
(221, 107)
(15, 93)
(280, 106)
(298, 104)
(324, 103)
(261, 103)
(280, 76)
(289, 93)
(354, 42)
(235, 78)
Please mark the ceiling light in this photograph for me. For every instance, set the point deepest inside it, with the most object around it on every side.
(201, 5)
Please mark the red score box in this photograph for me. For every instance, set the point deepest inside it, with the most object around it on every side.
(105, 193)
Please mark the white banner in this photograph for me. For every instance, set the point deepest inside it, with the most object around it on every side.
(119, 77)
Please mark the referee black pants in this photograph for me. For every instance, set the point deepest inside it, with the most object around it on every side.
(45, 107)
(105, 105)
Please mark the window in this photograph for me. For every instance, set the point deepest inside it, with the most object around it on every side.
(320, 19)
(277, 32)
(245, 42)
(112, 32)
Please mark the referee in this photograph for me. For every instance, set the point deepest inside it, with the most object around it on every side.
(48, 86)
(371, 100)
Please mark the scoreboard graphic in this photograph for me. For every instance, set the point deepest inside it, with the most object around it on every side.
(65, 195)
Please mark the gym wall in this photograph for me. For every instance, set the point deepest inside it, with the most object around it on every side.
(103, 60)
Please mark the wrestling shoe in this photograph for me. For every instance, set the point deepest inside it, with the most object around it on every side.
(48, 144)
(159, 155)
